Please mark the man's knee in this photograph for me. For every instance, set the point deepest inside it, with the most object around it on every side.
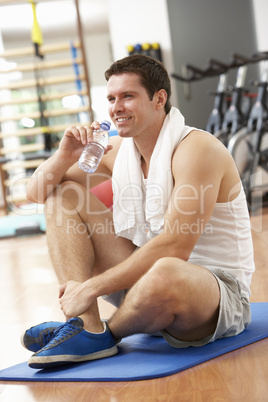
(67, 197)
(63, 205)
(165, 272)
(161, 281)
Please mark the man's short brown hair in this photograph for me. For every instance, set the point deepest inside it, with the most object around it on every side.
(152, 73)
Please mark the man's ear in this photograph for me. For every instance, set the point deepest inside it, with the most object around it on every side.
(161, 98)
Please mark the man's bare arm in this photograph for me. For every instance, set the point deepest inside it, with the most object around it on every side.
(62, 166)
(197, 186)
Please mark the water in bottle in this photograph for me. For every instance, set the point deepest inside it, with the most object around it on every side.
(93, 151)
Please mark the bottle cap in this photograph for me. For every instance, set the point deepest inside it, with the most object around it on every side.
(105, 125)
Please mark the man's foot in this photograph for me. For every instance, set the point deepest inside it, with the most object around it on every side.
(35, 338)
(72, 344)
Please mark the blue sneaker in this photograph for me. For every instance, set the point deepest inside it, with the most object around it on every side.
(35, 338)
(72, 344)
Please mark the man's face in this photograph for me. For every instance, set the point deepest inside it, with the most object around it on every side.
(129, 108)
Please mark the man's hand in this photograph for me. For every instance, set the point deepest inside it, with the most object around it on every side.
(75, 298)
(75, 139)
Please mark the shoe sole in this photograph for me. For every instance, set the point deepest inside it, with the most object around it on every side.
(24, 344)
(42, 362)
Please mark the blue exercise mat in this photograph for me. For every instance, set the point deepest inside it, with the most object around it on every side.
(143, 357)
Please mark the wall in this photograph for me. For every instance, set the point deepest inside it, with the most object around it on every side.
(99, 58)
(204, 29)
(260, 16)
(141, 21)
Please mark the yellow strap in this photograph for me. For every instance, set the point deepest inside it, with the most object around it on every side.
(37, 36)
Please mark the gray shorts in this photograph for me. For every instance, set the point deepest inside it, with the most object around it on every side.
(234, 311)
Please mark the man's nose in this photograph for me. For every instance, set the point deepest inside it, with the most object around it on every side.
(118, 106)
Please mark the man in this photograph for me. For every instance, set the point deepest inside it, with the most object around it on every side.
(175, 255)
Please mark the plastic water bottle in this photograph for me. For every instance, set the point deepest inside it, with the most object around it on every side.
(93, 151)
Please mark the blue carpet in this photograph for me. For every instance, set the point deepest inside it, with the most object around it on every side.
(19, 225)
(143, 357)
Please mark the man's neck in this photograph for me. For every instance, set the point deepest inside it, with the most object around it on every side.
(146, 144)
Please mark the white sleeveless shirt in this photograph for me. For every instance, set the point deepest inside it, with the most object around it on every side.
(140, 206)
(226, 242)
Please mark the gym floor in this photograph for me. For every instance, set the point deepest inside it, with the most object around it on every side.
(28, 295)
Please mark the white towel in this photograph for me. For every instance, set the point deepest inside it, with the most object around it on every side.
(139, 215)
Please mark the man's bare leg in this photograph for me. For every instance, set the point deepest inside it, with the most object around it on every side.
(173, 295)
(81, 240)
